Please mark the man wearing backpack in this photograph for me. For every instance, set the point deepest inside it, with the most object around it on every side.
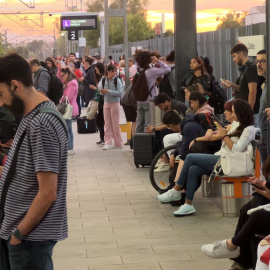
(41, 78)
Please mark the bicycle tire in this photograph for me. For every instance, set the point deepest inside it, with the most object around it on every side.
(160, 181)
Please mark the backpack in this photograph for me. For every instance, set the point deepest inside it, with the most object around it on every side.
(206, 120)
(140, 86)
(55, 91)
(217, 98)
(165, 85)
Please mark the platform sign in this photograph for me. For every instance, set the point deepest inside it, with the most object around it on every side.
(73, 23)
(73, 35)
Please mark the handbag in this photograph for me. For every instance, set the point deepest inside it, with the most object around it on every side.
(61, 107)
(128, 98)
(68, 112)
(92, 110)
(4, 256)
(236, 164)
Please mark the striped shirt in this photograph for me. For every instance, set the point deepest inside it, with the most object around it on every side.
(44, 149)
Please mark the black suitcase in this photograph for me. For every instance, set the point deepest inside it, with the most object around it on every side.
(144, 149)
(86, 126)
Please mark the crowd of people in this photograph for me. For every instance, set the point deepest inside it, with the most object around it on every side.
(28, 101)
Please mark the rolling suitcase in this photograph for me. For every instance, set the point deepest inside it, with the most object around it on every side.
(144, 149)
(86, 126)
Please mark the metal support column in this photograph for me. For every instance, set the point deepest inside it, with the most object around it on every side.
(185, 40)
(126, 42)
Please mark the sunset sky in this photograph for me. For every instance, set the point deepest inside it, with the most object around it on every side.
(207, 11)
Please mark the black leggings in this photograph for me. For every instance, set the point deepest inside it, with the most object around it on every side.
(100, 118)
(258, 223)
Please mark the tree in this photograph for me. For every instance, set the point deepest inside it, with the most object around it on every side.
(61, 46)
(231, 20)
(2, 48)
(168, 33)
(138, 27)
(95, 5)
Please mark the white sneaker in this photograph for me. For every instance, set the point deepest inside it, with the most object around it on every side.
(118, 147)
(169, 196)
(71, 152)
(219, 250)
(184, 210)
(160, 163)
(107, 147)
(162, 168)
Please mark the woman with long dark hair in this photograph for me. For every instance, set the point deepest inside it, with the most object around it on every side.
(242, 132)
(198, 74)
(51, 65)
(99, 73)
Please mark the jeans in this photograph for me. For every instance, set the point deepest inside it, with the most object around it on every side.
(195, 166)
(70, 134)
(31, 255)
(143, 117)
(263, 149)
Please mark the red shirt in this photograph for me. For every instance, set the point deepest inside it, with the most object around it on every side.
(78, 73)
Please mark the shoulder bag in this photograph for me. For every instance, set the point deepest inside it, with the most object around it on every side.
(235, 164)
(93, 107)
(69, 109)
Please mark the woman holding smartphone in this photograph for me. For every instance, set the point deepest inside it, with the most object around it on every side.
(111, 89)
(196, 165)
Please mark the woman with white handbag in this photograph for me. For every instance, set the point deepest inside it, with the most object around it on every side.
(196, 165)
(70, 96)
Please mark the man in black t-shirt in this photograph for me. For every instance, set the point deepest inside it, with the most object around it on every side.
(247, 87)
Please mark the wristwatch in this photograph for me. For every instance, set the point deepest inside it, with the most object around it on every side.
(18, 235)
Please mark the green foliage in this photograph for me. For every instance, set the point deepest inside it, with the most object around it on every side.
(168, 33)
(61, 46)
(2, 47)
(138, 27)
(231, 20)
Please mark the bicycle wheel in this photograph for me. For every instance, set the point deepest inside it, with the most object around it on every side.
(161, 181)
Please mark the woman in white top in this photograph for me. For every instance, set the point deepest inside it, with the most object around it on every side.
(196, 165)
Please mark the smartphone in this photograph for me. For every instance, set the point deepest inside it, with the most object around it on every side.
(222, 81)
(260, 188)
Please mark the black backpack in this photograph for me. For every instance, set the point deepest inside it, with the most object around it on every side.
(217, 98)
(206, 120)
(56, 89)
(140, 86)
(165, 85)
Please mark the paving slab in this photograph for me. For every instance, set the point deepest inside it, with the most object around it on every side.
(116, 222)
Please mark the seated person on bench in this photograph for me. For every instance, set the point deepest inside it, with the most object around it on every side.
(196, 165)
(165, 103)
(242, 248)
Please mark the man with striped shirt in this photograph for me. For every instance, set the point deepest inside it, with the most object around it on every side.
(35, 213)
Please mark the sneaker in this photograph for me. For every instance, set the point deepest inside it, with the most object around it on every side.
(71, 152)
(160, 163)
(181, 201)
(107, 147)
(100, 142)
(169, 196)
(118, 147)
(219, 250)
(162, 168)
(184, 210)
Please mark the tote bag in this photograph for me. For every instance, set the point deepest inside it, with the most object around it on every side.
(236, 164)
(69, 109)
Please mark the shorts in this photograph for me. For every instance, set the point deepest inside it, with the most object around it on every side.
(130, 112)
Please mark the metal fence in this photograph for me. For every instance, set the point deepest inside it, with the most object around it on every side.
(215, 45)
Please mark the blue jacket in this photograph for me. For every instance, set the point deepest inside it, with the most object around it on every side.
(190, 129)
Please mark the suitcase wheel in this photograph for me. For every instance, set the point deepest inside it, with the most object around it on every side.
(137, 166)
